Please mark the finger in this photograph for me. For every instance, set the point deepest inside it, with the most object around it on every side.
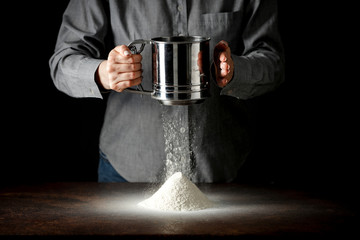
(124, 67)
(116, 77)
(220, 47)
(135, 58)
(222, 82)
(223, 56)
(119, 54)
(123, 50)
(224, 43)
(122, 54)
(120, 86)
(225, 69)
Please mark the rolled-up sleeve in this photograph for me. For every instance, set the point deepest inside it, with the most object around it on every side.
(79, 49)
(260, 69)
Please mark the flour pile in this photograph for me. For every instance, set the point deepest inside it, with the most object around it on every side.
(178, 193)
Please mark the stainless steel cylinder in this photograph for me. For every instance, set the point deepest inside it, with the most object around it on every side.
(180, 67)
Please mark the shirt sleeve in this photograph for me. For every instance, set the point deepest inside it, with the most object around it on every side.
(79, 49)
(260, 69)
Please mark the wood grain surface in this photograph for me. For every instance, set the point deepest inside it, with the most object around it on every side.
(109, 210)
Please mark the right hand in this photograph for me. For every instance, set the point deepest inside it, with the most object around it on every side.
(121, 70)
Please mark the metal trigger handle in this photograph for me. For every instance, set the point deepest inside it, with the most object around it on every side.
(133, 49)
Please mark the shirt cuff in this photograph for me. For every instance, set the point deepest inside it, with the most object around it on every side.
(239, 86)
(86, 74)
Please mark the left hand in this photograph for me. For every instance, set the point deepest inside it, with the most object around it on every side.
(224, 65)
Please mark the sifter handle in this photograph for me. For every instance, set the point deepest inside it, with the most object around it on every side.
(133, 48)
(139, 89)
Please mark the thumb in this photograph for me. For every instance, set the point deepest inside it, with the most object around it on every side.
(220, 47)
(123, 50)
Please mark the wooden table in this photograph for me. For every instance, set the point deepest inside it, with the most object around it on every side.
(110, 210)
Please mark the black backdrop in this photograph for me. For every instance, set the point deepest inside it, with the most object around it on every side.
(303, 127)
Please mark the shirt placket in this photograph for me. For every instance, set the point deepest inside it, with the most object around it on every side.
(180, 23)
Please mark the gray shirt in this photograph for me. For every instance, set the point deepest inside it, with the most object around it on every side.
(132, 136)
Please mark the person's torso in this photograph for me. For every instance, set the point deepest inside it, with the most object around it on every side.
(133, 133)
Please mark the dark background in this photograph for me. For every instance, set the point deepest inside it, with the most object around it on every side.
(305, 128)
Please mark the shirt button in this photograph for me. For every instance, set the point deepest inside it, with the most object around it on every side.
(179, 8)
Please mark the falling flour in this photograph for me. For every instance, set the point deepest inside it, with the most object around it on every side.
(179, 155)
(178, 193)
